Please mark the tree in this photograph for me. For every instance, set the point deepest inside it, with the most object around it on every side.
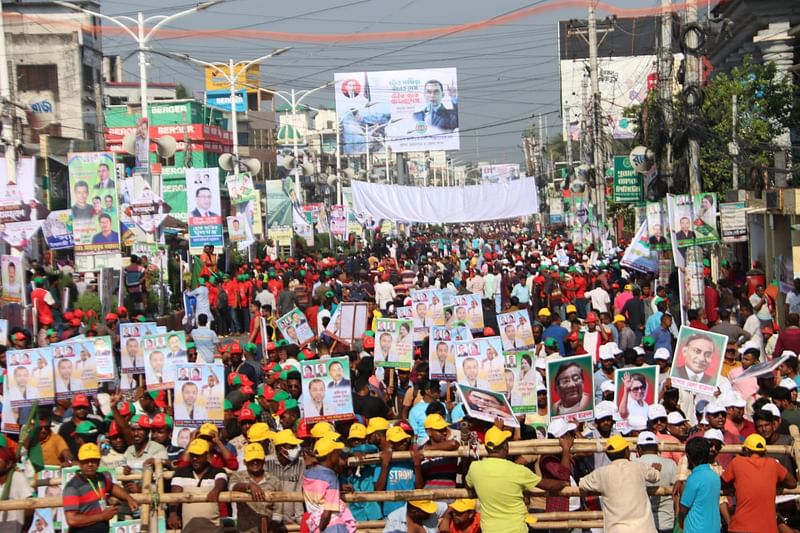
(181, 92)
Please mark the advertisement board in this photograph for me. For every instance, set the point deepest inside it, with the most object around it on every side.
(216, 80)
(203, 204)
(410, 110)
(279, 210)
(222, 100)
(733, 221)
(499, 173)
(627, 182)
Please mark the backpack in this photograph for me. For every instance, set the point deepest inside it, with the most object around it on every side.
(133, 278)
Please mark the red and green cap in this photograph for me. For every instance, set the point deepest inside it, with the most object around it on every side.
(142, 421)
(162, 420)
(266, 391)
(285, 405)
(281, 396)
(126, 408)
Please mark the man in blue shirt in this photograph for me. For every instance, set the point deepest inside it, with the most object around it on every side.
(398, 475)
(521, 292)
(663, 335)
(107, 235)
(654, 322)
(699, 510)
(431, 392)
(554, 330)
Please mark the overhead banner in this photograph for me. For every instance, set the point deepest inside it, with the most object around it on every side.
(205, 211)
(627, 182)
(499, 173)
(441, 205)
(95, 217)
(410, 110)
(733, 221)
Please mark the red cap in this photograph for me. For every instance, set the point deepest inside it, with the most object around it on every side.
(124, 408)
(488, 332)
(80, 400)
(268, 392)
(161, 399)
(281, 408)
(302, 429)
(308, 353)
(231, 376)
(159, 421)
(591, 317)
(235, 347)
(572, 336)
(19, 336)
(75, 323)
(111, 317)
(369, 343)
(90, 313)
(246, 414)
(68, 316)
(113, 430)
(122, 311)
(246, 389)
(270, 346)
(78, 313)
(246, 382)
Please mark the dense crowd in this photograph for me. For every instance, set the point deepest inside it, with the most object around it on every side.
(578, 302)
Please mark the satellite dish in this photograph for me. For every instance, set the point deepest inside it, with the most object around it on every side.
(166, 146)
(333, 180)
(362, 174)
(129, 142)
(226, 161)
(288, 162)
(253, 166)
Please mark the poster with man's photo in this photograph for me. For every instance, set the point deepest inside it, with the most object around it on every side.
(13, 278)
(75, 368)
(204, 208)
(515, 330)
(326, 390)
(103, 358)
(294, 328)
(486, 405)
(30, 377)
(199, 394)
(693, 218)
(162, 353)
(394, 343)
(240, 187)
(131, 349)
(635, 389)
(521, 381)
(467, 311)
(697, 362)
(570, 388)
(93, 194)
(480, 363)
(237, 229)
(441, 359)
(427, 309)
(658, 227)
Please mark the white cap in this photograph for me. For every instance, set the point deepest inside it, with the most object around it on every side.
(714, 434)
(732, 400)
(703, 420)
(714, 407)
(788, 383)
(639, 350)
(607, 386)
(560, 427)
(748, 345)
(772, 408)
(656, 411)
(646, 438)
(613, 348)
(604, 409)
(637, 422)
(541, 388)
(675, 418)
(789, 353)
(605, 353)
(662, 353)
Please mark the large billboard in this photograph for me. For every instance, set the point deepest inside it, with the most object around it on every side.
(410, 110)
(95, 217)
(216, 79)
(499, 173)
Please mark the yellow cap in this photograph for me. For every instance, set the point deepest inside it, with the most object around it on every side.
(464, 504)
(259, 432)
(628, 287)
(357, 431)
(755, 442)
(89, 451)
(254, 452)
(396, 434)
(619, 318)
(198, 447)
(207, 430)
(322, 429)
(285, 436)
(435, 421)
(571, 309)
(544, 311)
(324, 447)
(495, 437)
(426, 506)
(377, 424)
(617, 443)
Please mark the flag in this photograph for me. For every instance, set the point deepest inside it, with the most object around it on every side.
(29, 437)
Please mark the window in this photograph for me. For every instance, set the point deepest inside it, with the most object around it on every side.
(38, 78)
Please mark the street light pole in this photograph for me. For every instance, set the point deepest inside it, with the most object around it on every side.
(141, 35)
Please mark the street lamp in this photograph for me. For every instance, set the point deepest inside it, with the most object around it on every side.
(231, 76)
(139, 35)
(371, 128)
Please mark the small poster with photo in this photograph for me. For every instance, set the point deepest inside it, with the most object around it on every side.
(240, 187)
(486, 405)
(199, 394)
(161, 355)
(103, 358)
(182, 436)
(460, 333)
(405, 313)
(427, 308)
(30, 377)
(75, 369)
(42, 521)
(635, 389)
(697, 362)
(441, 359)
(468, 311)
(125, 526)
(326, 390)
(394, 343)
(480, 363)
(294, 328)
(515, 330)
(3, 332)
(521, 382)
(570, 391)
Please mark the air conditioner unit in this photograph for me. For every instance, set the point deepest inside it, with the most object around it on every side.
(774, 199)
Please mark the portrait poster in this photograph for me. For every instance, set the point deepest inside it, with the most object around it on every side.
(30, 377)
(237, 229)
(480, 363)
(468, 311)
(205, 209)
(75, 368)
(486, 405)
(338, 221)
(294, 328)
(460, 333)
(131, 349)
(56, 516)
(199, 394)
(427, 308)
(57, 230)
(635, 389)
(21, 189)
(658, 226)
(240, 187)
(570, 389)
(521, 381)
(95, 214)
(182, 436)
(252, 216)
(693, 219)
(3, 332)
(404, 312)
(42, 521)
(410, 110)
(125, 526)
(103, 358)
(697, 362)
(326, 390)
(441, 359)
(515, 330)
(394, 343)
(13, 278)
(162, 353)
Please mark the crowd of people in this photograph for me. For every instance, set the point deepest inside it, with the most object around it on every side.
(577, 303)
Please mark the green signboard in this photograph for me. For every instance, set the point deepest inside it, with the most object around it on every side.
(627, 182)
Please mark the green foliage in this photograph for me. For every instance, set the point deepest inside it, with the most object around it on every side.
(181, 92)
(89, 300)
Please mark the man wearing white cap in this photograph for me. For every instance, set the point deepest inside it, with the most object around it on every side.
(717, 415)
(791, 386)
(736, 424)
(605, 413)
(607, 390)
(715, 438)
(605, 372)
(657, 423)
(661, 358)
(662, 506)
(559, 467)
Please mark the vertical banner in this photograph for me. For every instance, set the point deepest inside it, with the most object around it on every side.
(204, 207)
(279, 211)
(733, 221)
(395, 343)
(238, 229)
(338, 221)
(13, 278)
(693, 219)
(104, 359)
(354, 226)
(326, 390)
(442, 361)
(627, 182)
(658, 227)
(95, 222)
(521, 382)
(199, 394)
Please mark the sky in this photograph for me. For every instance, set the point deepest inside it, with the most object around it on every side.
(507, 67)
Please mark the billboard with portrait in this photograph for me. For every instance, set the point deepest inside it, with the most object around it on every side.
(515, 330)
(30, 377)
(240, 187)
(521, 381)
(486, 405)
(238, 229)
(499, 173)
(697, 362)
(693, 219)
(658, 226)
(199, 394)
(480, 363)
(75, 368)
(635, 389)
(204, 208)
(162, 353)
(95, 214)
(394, 343)
(326, 390)
(467, 311)
(294, 328)
(570, 390)
(410, 110)
(13, 278)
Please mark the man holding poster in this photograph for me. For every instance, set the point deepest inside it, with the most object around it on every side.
(698, 360)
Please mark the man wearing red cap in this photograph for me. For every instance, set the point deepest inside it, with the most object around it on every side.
(43, 301)
(246, 418)
(80, 412)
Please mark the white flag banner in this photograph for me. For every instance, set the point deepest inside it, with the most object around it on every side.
(440, 205)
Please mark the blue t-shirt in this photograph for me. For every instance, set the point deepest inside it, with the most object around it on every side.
(701, 496)
(554, 331)
(401, 477)
(363, 480)
(416, 418)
